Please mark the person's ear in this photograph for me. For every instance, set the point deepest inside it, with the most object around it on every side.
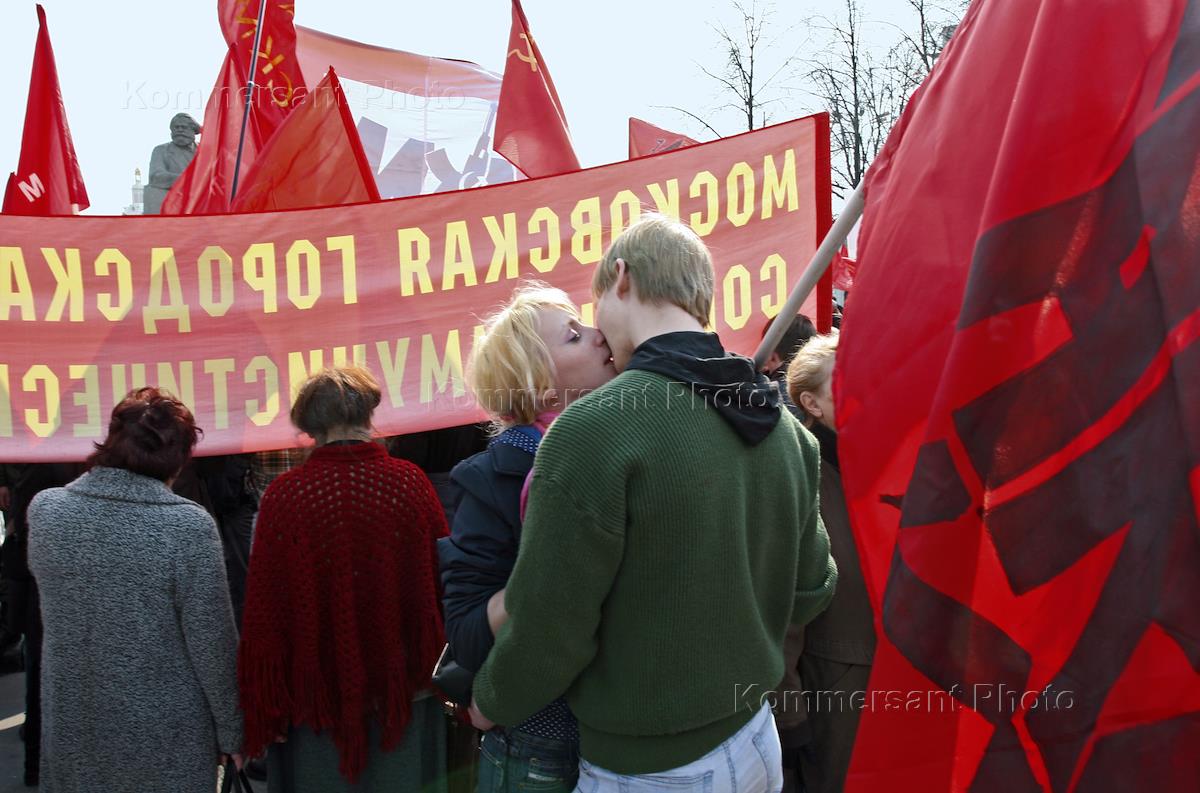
(772, 363)
(808, 401)
(622, 283)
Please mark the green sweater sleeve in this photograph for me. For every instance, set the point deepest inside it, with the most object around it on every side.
(572, 542)
(816, 571)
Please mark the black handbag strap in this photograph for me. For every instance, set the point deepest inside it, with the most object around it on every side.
(235, 780)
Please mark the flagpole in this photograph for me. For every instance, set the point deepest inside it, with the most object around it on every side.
(237, 163)
(817, 266)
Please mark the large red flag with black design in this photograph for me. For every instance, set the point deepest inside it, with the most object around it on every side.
(47, 180)
(314, 159)
(206, 185)
(1018, 396)
(531, 128)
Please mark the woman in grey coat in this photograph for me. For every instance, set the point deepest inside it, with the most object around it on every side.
(139, 657)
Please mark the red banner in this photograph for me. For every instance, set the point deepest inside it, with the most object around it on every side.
(231, 311)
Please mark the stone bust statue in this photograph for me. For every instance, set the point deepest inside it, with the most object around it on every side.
(168, 160)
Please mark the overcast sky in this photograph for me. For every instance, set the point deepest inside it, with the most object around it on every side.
(126, 66)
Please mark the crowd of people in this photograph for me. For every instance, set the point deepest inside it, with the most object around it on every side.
(595, 594)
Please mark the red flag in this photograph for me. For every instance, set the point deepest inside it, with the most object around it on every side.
(440, 141)
(47, 181)
(531, 128)
(645, 138)
(314, 159)
(843, 269)
(206, 184)
(1018, 394)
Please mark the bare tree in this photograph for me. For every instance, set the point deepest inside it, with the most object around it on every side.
(933, 24)
(863, 91)
(750, 78)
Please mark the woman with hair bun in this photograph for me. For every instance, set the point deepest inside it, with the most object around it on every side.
(341, 628)
(139, 646)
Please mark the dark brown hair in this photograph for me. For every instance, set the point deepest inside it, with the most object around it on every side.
(150, 433)
(337, 396)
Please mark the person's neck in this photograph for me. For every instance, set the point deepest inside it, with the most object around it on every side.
(344, 434)
(663, 319)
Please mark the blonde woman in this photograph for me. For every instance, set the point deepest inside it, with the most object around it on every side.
(839, 645)
(535, 358)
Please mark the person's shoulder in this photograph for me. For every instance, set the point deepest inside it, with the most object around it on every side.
(46, 501)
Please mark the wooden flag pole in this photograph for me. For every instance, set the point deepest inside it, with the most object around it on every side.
(833, 241)
(237, 163)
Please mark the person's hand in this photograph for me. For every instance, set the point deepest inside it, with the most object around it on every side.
(237, 760)
(478, 720)
(5, 498)
(496, 613)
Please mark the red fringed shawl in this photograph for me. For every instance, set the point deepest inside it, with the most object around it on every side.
(341, 623)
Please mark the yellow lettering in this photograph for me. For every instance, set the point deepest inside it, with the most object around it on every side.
(183, 386)
(774, 264)
(544, 259)
(88, 399)
(443, 371)
(68, 285)
(345, 246)
(735, 290)
(739, 189)
(108, 259)
(5, 403)
(14, 285)
(588, 240)
(458, 259)
(220, 369)
(414, 261)
(163, 267)
(359, 355)
(215, 254)
(707, 183)
(262, 413)
(298, 371)
(623, 212)
(303, 249)
(40, 373)
(393, 368)
(779, 187)
(587, 314)
(258, 271)
(666, 203)
(138, 380)
(505, 249)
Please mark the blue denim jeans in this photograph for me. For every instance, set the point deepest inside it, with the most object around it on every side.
(513, 761)
(749, 762)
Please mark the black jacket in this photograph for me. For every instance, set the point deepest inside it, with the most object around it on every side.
(478, 556)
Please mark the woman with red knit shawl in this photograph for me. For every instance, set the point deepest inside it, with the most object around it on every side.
(342, 627)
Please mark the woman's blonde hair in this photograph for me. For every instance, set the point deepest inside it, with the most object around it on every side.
(812, 366)
(510, 368)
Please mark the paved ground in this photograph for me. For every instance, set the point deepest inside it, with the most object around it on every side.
(12, 751)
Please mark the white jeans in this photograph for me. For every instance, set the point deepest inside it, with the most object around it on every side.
(751, 761)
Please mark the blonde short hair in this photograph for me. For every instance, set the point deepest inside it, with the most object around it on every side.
(812, 366)
(510, 368)
(666, 260)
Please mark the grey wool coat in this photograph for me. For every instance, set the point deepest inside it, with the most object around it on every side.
(139, 669)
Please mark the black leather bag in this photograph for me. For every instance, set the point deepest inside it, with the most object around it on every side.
(452, 680)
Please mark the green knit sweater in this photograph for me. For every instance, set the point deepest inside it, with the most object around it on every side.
(661, 562)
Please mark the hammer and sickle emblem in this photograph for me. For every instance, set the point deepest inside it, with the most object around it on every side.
(526, 56)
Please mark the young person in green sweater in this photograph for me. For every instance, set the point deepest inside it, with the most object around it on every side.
(672, 536)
